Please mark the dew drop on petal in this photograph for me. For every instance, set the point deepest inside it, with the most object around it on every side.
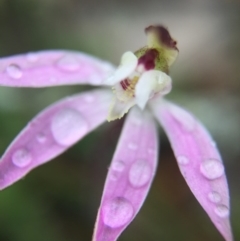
(214, 197)
(68, 126)
(182, 160)
(41, 138)
(14, 71)
(118, 166)
(212, 169)
(117, 212)
(32, 57)
(140, 173)
(21, 157)
(68, 62)
(222, 211)
(132, 146)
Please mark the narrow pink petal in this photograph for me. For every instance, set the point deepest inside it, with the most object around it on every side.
(129, 177)
(52, 132)
(51, 68)
(199, 161)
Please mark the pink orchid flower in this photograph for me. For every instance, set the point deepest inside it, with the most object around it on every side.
(140, 82)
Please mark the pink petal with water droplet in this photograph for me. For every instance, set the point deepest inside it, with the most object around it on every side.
(51, 68)
(199, 161)
(52, 132)
(129, 177)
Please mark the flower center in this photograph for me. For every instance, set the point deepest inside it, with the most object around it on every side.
(143, 74)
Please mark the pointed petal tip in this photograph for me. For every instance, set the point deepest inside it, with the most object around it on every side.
(199, 162)
(129, 176)
(52, 132)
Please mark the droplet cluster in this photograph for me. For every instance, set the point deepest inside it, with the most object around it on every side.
(51, 132)
(211, 169)
(129, 176)
(119, 210)
(56, 67)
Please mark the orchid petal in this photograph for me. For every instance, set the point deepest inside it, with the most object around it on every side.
(152, 81)
(52, 68)
(127, 66)
(199, 162)
(52, 132)
(129, 177)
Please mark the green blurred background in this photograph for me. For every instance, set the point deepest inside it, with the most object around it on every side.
(58, 201)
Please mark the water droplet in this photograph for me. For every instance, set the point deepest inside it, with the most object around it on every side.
(140, 173)
(118, 166)
(21, 158)
(117, 212)
(14, 71)
(222, 211)
(41, 138)
(212, 169)
(214, 197)
(32, 57)
(182, 160)
(132, 146)
(183, 118)
(68, 126)
(69, 62)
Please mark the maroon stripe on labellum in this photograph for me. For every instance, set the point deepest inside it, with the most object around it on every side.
(124, 84)
(163, 36)
(148, 59)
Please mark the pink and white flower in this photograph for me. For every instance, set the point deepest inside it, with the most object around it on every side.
(140, 82)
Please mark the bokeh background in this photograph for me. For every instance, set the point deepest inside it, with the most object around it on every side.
(58, 201)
